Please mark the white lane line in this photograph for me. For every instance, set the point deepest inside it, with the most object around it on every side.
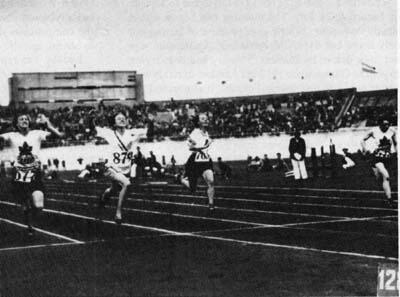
(29, 247)
(175, 214)
(75, 215)
(321, 197)
(189, 234)
(287, 188)
(292, 247)
(296, 228)
(254, 224)
(59, 236)
(261, 188)
(204, 206)
(229, 230)
(159, 191)
(279, 188)
(338, 221)
(275, 202)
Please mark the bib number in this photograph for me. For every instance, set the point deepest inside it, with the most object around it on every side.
(24, 176)
(121, 158)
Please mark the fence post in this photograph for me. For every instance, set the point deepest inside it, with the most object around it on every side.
(333, 160)
(323, 168)
(314, 162)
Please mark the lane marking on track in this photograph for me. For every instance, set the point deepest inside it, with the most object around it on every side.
(342, 220)
(265, 188)
(29, 247)
(293, 196)
(205, 206)
(175, 214)
(71, 214)
(341, 232)
(159, 191)
(59, 236)
(293, 247)
(255, 224)
(321, 197)
(265, 244)
(277, 202)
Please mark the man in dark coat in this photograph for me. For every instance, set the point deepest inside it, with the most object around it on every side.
(297, 150)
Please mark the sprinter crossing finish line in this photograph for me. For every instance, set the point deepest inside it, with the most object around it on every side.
(297, 150)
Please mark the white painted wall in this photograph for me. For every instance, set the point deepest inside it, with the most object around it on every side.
(229, 149)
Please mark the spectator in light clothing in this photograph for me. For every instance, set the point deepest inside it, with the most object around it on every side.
(297, 150)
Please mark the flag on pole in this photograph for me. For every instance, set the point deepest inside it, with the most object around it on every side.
(368, 68)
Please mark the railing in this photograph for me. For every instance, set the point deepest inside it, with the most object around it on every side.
(343, 111)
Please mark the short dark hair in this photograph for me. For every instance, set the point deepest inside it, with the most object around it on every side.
(20, 114)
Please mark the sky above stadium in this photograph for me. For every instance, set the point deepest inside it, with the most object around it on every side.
(187, 49)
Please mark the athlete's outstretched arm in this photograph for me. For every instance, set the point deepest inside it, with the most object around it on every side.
(394, 139)
(363, 142)
(95, 126)
(139, 133)
(50, 127)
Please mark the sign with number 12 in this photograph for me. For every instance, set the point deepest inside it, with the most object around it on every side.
(388, 280)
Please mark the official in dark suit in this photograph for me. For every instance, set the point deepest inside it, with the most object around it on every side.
(297, 150)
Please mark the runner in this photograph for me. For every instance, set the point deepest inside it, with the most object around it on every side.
(27, 186)
(119, 158)
(384, 138)
(199, 162)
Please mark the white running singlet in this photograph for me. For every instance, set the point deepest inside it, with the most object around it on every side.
(120, 151)
(199, 141)
(33, 138)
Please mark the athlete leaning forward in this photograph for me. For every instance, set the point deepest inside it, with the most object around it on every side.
(27, 186)
(199, 163)
(118, 157)
(384, 138)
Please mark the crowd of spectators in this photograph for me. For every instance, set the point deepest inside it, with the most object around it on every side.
(308, 112)
(369, 115)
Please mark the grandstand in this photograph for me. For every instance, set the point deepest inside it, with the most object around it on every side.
(245, 116)
(52, 90)
(369, 106)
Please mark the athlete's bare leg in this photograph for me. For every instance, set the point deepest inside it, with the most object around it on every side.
(208, 176)
(121, 198)
(117, 179)
(381, 171)
(32, 208)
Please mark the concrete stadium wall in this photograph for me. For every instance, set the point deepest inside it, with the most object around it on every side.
(31, 89)
(229, 149)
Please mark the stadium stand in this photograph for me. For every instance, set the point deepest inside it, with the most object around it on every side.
(369, 106)
(227, 117)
